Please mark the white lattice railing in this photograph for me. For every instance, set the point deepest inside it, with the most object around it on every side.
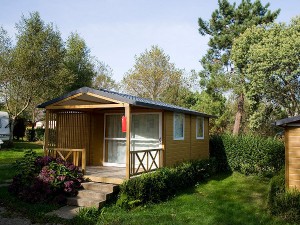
(142, 161)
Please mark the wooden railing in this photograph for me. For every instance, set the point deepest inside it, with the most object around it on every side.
(144, 161)
(58, 152)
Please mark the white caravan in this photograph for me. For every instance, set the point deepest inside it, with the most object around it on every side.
(4, 126)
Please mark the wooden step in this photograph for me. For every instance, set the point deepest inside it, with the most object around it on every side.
(99, 195)
(85, 202)
(103, 187)
(93, 195)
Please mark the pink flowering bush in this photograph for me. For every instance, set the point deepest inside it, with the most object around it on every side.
(45, 179)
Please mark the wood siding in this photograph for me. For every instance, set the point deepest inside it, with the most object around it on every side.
(199, 147)
(69, 130)
(292, 155)
(190, 148)
(96, 139)
(85, 129)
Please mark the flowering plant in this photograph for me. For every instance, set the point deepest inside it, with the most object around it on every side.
(45, 179)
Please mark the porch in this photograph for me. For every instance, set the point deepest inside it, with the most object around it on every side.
(107, 130)
(104, 174)
(141, 161)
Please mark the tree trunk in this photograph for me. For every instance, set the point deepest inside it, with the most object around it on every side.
(12, 126)
(239, 115)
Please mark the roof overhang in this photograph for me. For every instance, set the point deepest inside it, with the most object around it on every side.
(289, 122)
(88, 98)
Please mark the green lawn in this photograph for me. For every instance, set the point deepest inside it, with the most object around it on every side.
(9, 156)
(224, 199)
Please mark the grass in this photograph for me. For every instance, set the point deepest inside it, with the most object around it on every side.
(10, 156)
(225, 199)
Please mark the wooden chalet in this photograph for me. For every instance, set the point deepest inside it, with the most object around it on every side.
(291, 127)
(115, 136)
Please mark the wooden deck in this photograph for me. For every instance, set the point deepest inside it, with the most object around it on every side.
(106, 174)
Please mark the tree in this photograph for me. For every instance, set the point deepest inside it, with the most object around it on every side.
(226, 23)
(31, 73)
(269, 55)
(154, 76)
(103, 78)
(78, 63)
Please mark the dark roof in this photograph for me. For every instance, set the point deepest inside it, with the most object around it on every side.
(130, 99)
(286, 121)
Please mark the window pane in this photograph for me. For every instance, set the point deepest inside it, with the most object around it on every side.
(137, 145)
(200, 127)
(145, 126)
(114, 127)
(116, 151)
(178, 126)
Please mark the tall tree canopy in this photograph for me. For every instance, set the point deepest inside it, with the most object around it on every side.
(153, 76)
(103, 77)
(226, 23)
(33, 66)
(78, 63)
(269, 55)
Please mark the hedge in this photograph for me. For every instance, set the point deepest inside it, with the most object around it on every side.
(35, 134)
(163, 183)
(247, 154)
(282, 202)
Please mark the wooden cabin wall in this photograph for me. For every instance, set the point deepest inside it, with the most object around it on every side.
(96, 139)
(73, 130)
(182, 150)
(51, 134)
(199, 147)
(176, 150)
(292, 156)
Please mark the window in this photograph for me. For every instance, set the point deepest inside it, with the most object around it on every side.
(200, 128)
(145, 131)
(178, 122)
(115, 140)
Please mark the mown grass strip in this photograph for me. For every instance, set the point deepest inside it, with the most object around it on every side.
(224, 199)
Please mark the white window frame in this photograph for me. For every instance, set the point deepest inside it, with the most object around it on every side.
(160, 126)
(131, 139)
(197, 126)
(114, 139)
(178, 138)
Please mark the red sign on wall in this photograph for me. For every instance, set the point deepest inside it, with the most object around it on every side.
(124, 123)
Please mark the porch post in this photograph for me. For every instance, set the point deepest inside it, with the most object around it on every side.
(128, 118)
(46, 134)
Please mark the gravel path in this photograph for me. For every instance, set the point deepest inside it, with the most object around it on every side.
(17, 219)
(13, 221)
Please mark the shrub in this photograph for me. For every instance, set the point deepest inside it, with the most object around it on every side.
(39, 134)
(282, 202)
(247, 154)
(35, 134)
(19, 128)
(163, 183)
(45, 179)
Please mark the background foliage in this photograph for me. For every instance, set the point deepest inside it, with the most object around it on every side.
(282, 202)
(248, 154)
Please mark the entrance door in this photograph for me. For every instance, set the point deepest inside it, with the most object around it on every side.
(145, 134)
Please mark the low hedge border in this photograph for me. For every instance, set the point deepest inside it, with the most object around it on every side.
(163, 183)
(282, 202)
(247, 154)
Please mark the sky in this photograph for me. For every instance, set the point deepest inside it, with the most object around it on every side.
(118, 30)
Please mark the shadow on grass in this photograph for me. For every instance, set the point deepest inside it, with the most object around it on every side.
(33, 211)
(21, 145)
